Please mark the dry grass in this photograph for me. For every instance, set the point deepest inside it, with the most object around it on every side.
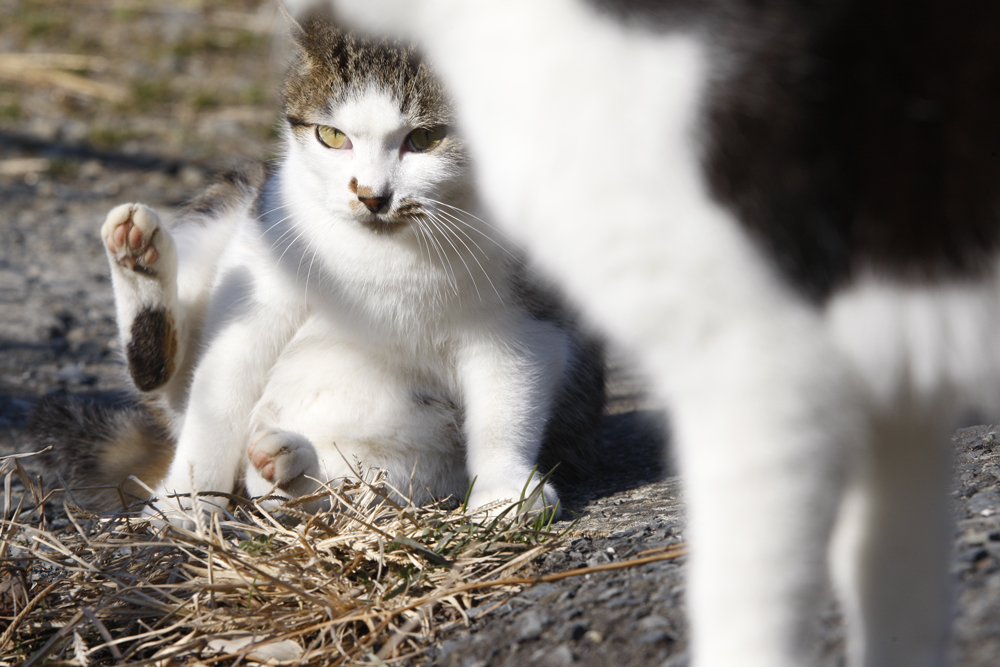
(370, 582)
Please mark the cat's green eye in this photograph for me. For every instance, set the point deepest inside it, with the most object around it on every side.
(331, 137)
(424, 139)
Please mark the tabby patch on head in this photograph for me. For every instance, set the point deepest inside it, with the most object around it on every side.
(372, 124)
(332, 66)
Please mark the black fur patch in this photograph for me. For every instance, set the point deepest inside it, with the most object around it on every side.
(854, 135)
(152, 348)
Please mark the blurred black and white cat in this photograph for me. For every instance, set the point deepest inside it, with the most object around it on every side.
(790, 211)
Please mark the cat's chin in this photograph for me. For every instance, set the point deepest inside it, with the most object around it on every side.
(384, 224)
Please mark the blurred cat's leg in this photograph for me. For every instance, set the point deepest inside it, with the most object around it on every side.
(764, 441)
(891, 552)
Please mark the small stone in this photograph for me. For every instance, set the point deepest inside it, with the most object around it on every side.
(973, 555)
(539, 591)
(475, 612)
(445, 650)
(652, 622)
(555, 558)
(560, 656)
(529, 627)
(625, 532)
(607, 594)
(678, 660)
(600, 558)
(653, 637)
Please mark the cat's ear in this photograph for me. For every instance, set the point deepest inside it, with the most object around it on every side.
(293, 25)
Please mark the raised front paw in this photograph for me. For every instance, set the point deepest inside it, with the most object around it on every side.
(282, 457)
(133, 236)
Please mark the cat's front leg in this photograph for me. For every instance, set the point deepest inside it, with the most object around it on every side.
(509, 391)
(251, 320)
(766, 427)
(143, 263)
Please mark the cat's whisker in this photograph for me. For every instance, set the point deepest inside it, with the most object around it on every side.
(439, 226)
(446, 267)
(291, 229)
(465, 234)
(302, 255)
(309, 273)
(423, 240)
(287, 248)
(263, 215)
(313, 206)
(446, 228)
(418, 235)
(446, 263)
(284, 234)
(268, 212)
(492, 240)
(471, 215)
(458, 238)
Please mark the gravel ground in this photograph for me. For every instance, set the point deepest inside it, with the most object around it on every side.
(190, 91)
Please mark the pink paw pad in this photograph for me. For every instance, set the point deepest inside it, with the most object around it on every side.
(263, 462)
(130, 240)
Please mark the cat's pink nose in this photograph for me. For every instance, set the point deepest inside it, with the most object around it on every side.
(374, 204)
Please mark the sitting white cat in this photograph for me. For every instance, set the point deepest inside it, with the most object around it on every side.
(350, 306)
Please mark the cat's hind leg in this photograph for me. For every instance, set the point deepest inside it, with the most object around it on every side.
(283, 462)
(143, 262)
(890, 556)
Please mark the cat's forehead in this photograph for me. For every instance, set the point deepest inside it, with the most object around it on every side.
(370, 112)
(334, 69)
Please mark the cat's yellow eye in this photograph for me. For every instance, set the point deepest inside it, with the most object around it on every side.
(424, 139)
(331, 137)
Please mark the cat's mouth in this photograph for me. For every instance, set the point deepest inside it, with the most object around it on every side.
(392, 220)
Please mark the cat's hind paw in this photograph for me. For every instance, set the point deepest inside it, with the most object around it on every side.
(281, 457)
(134, 238)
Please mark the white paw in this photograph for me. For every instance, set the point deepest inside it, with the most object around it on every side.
(134, 238)
(181, 512)
(282, 457)
(492, 501)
